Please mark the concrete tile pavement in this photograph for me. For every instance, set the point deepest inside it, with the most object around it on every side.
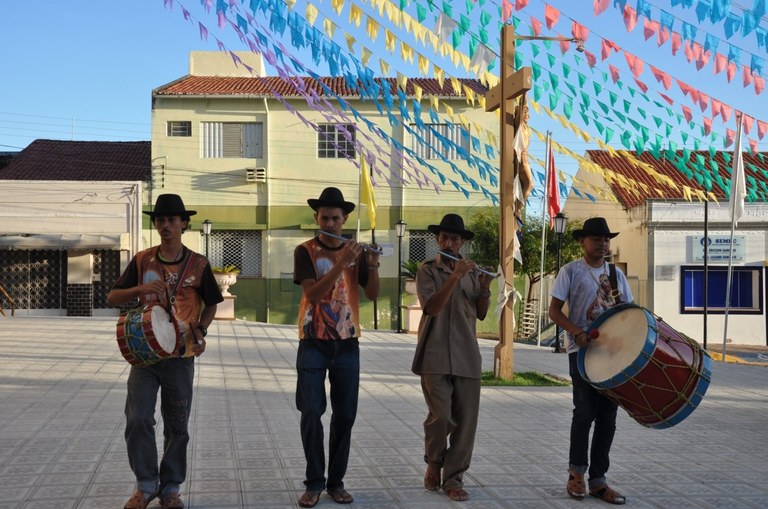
(62, 390)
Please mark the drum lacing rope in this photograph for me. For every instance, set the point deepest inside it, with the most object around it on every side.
(679, 394)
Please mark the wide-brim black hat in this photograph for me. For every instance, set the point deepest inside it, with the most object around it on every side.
(331, 197)
(596, 226)
(452, 223)
(168, 205)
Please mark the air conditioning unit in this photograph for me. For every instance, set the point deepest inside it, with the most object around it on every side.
(256, 175)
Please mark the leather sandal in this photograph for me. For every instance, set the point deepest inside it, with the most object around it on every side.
(608, 494)
(172, 501)
(309, 498)
(576, 487)
(139, 501)
(341, 496)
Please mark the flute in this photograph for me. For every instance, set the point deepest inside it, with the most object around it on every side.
(366, 247)
(448, 255)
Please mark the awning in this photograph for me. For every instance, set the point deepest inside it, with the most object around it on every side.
(59, 241)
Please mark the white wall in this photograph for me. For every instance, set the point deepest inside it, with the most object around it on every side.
(671, 228)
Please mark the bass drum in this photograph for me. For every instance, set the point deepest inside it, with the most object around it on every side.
(146, 335)
(658, 375)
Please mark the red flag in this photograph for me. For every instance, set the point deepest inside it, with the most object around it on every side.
(553, 196)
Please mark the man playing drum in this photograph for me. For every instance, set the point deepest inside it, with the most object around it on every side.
(585, 285)
(181, 281)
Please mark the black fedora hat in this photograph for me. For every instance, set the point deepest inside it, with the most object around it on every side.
(170, 205)
(594, 226)
(452, 223)
(331, 197)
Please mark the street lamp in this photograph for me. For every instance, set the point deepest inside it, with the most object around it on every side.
(560, 222)
(400, 231)
(207, 226)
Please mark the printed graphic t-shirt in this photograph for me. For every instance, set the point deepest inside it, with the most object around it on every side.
(337, 315)
(587, 290)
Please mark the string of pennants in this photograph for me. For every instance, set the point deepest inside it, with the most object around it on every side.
(304, 35)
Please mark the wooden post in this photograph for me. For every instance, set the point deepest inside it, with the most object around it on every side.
(512, 84)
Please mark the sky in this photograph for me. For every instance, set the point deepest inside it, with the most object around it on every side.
(85, 70)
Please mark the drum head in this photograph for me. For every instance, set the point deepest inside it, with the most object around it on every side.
(163, 329)
(623, 336)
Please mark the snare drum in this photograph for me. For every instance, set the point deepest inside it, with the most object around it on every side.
(658, 375)
(146, 335)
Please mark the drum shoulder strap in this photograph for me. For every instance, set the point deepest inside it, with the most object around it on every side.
(614, 282)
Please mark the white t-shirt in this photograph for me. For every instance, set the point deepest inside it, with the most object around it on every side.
(587, 291)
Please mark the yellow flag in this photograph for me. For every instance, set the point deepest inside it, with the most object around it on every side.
(366, 192)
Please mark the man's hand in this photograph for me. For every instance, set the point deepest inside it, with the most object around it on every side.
(156, 288)
(198, 347)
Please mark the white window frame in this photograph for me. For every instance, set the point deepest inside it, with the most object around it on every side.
(243, 140)
(432, 147)
(179, 128)
(332, 144)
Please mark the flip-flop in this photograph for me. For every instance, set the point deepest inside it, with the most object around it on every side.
(608, 495)
(340, 496)
(309, 498)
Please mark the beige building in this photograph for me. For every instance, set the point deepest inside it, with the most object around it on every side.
(247, 151)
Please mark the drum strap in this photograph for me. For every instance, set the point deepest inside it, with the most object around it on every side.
(182, 275)
(614, 282)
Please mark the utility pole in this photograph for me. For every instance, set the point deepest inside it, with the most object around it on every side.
(512, 85)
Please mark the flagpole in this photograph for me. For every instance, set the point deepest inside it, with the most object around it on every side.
(728, 286)
(737, 195)
(545, 202)
(359, 196)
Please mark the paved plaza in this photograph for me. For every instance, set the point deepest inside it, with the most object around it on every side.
(62, 391)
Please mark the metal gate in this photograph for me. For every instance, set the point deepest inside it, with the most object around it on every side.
(36, 279)
(107, 265)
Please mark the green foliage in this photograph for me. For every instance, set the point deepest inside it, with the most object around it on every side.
(226, 269)
(525, 379)
(484, 248)
(409, 269)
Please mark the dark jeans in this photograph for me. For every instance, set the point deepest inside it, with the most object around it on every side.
(341, 360)
(174, 378)
(589, 405)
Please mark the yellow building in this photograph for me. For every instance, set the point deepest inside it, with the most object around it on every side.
(247, 151)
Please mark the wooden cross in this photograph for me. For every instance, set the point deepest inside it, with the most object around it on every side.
(512, 85)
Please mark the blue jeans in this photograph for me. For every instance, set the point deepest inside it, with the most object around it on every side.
(341, 360)
(589, 406)
(174, 378)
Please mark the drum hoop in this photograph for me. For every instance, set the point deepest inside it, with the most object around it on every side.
(646, 352)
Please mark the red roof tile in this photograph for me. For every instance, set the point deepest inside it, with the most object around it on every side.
(81, 160)
(719, 176)
(267, 86)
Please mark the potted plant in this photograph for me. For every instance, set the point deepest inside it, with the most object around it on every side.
(226, 276)
(408, 271)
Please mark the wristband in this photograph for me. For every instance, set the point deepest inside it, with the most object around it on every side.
(203, 330)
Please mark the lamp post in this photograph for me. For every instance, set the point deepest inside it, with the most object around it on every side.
(207, 226)
(560, 223)
(400, 231)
